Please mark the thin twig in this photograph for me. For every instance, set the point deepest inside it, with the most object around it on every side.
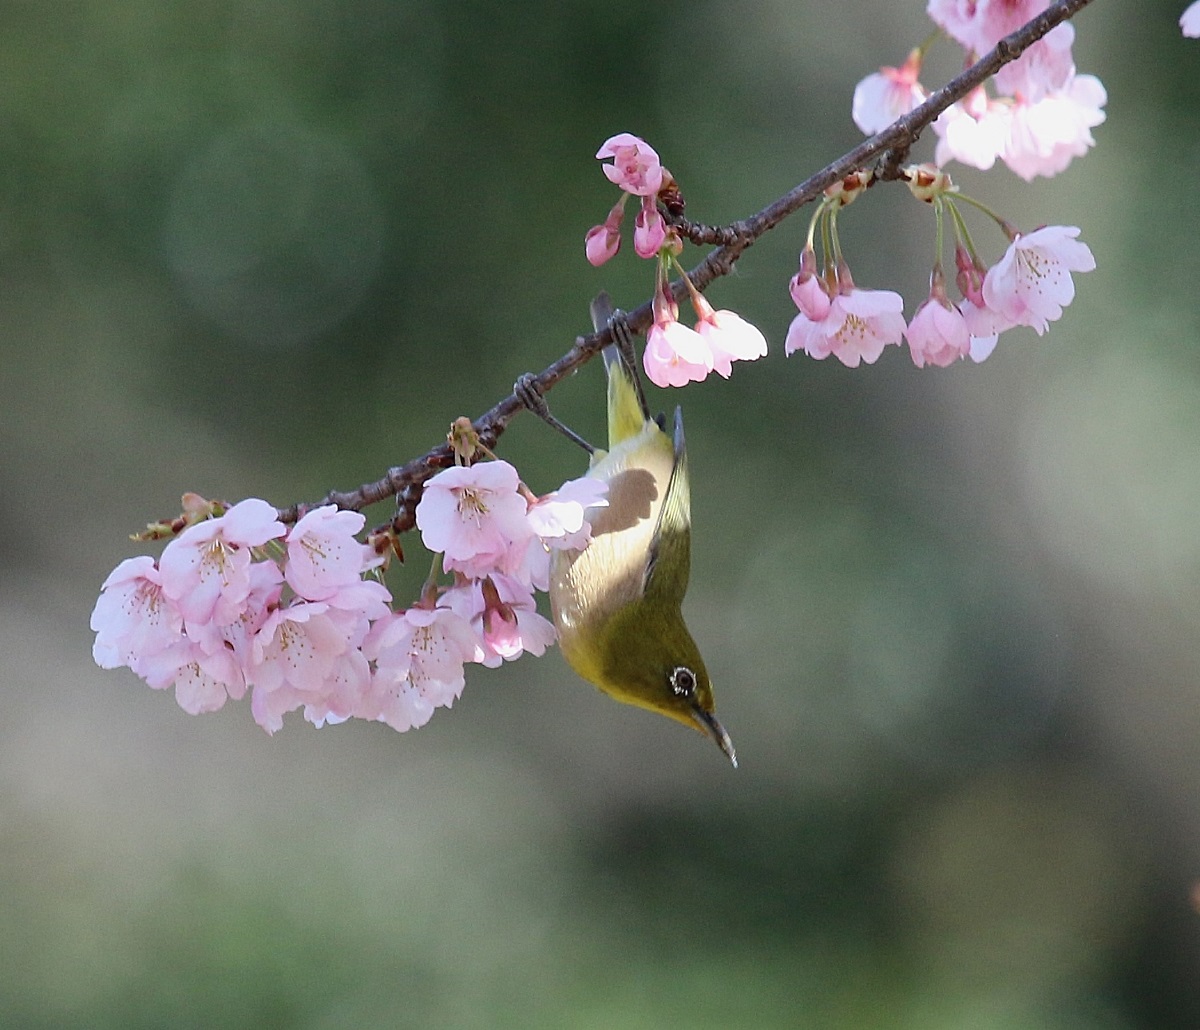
(888, 149)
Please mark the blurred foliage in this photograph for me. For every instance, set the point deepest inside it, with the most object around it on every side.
(273, 247)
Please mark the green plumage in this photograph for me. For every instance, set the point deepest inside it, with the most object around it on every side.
(616, 603)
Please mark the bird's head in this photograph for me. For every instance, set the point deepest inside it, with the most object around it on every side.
(654, 663)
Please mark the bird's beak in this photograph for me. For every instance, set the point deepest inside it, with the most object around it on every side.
(709, 725)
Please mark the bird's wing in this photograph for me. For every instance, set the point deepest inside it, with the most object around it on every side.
(669, 559)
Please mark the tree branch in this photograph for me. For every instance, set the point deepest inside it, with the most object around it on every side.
(888, 149)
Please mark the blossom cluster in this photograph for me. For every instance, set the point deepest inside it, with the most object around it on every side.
(675, 354)
(298, 617)
(1029, 286)
(636, 169)
(1041, 115)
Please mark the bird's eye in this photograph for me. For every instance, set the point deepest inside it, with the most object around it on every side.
(683, 681)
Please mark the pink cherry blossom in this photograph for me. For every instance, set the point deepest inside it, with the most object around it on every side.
(1045, 135)
(559, 522)
(296, 647)
(729, 337)
(980, 24)
(206, 569)
(649, 229)
(635, 168)
(1046, 66)
(510, 621)
(503, 615)
(202, 682)
(937, 334)
(475, 516)
(343, 690)
(229, 648)
(998, 18)
(338, 695)
(675, 355)
(1189, 21)
(859, 325)
(323, 555)
(870, 320)
(888, 94)
(321, 707)
(304, 654)
(132, 618)
(601, 244)
(1032, 283)
(603, 241)
(973, 131)
(198, 691)
(560, 518)
(419, 656)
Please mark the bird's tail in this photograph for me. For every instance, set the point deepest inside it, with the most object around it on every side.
(627, 410)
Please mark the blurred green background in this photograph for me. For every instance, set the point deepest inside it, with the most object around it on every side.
(272, 247)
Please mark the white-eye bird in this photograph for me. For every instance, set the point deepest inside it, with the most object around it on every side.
(616, 602)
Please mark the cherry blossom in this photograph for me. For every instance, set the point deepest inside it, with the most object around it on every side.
(503, 616)
(860, 323)
(305, 654)
(1189, 21)
(885, 95)
(635, 168)
(475, 516)
(1046, 66)
(198, 691)
(228, 649)
(366, 598)
(202, 682)
(674, 354)
(980, 24)
(296, 647)
(419, 656)
(559, 522)
(729, 337)
(510, 621)
(937, 334)
(974, 131)
(206, 569)
(346, 684)
(1045, 135)
(1032, 283)
(323, 554)
(133, 618)
(560, 517)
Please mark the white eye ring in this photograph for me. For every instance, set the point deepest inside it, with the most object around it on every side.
(683, 681)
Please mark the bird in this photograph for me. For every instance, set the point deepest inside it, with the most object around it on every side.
(616, 602)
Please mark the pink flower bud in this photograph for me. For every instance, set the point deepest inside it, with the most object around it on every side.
(808, 292)
(603, 241)
(600, 244)
(649, 230)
